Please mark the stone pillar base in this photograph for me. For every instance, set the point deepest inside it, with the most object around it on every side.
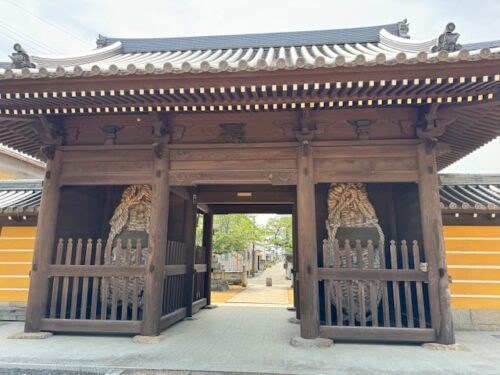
(148, 339)
(210, 307)
(31, 335)
(300, 342)
(446, 348)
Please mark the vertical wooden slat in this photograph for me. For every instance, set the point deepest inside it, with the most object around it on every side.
(395, 285)
(115, 279)
(418, 285)
(347, 251)
(338, 289)
(106, 281)
(95, 281)
(85, 284)
(44, 245)
(407, 285)
(361, 285)
(64, 295)
(373, 289)
(135, 301)
(55, 281)
(125, 281)
(327, 285)
(76, 280)
(385, 291)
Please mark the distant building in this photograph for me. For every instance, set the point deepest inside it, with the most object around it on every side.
(16, 165)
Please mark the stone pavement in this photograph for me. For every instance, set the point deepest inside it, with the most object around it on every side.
(238, 338)
(257, 291)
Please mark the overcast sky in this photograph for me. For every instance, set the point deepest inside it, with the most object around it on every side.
(71, 26)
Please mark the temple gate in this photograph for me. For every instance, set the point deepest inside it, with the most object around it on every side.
(135, 141)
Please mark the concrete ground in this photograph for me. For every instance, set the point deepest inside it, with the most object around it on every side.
(239, 337)
(236, 338)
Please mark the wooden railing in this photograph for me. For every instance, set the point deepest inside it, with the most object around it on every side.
(174, 276)
(370, 294)
(95, 287)
(100, 288)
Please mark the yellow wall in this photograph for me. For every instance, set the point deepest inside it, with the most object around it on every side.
(473, 256)
(7, 176)
(16, 252)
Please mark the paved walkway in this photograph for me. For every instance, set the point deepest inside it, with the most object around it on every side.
(237, 338)
(257, 291)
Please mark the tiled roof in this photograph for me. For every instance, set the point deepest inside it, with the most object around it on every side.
(19, 196)
(265, 40)
(466, 192)
(379, 45)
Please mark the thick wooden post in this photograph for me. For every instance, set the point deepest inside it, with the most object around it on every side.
(190, 243)
(208, 223)
(44, 245)
(432, 230)
(158, 227)
(295, 263)
(308, 258)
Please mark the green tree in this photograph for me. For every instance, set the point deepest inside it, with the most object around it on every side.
(235, 233)
(279, 233)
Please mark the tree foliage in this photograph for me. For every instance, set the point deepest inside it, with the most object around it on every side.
(235, 233)
(279, 233)
(239, 232)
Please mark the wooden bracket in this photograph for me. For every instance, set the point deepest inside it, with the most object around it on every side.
(158, 150)
(305, 132)
(429, 125)
(160, 134)
(49, 151)
(50, 132)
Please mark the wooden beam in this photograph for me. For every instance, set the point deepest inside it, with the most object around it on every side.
(180, 191)
(308, 258)
(44, 245)
(432, 230)
(189, 240)
(223, 209)
(97, 326)
(208, 224)
(203, 208)
(378, 333)
(172, 318)
(153, 293)
(246, 197)
(198, 305)
(365, 274)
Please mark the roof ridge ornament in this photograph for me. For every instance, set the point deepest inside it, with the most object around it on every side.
(447, 41)
(20, 58)
(404, 29)
(101, 41)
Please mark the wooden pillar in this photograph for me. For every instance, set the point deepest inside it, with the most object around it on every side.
(158, 227)
(208, 224)
(308, 258)
(44, 245)
(295, 263)
(432, 231)
(190, 243)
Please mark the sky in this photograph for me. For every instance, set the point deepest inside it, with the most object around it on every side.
(64, 27)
